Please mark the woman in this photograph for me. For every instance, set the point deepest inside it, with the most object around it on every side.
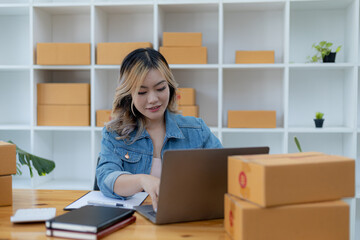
(144, 125)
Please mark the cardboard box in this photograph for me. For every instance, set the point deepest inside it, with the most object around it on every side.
(7, 158)
(189, 110)
(63, 54)
(184, 55)
(63, 94)
(311, 221)
(251, 119)
(114, 53)
(102, 117)
(63, 115)
(186, 96)
(255, 57)
(270, 180)
(182, 39)
(6, 190)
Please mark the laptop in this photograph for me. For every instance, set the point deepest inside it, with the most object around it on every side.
(193, 184)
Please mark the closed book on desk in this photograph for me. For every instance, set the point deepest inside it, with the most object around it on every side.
(91, 219)
(94, 236)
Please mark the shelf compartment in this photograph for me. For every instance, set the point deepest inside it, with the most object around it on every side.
(253, 26)
(331, 91)
(67, 24)
(124, 23)
(22, 139)
(254, 89)
(15, 89)
(195, 17)
(206, 85)
(106, 81)
(71, 151)
(309, 24)
(15, 36)
(273, 140)
(336, 143)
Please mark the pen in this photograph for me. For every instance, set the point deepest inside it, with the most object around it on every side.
(110, 204)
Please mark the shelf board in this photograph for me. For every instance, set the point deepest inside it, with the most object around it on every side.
(14, 127)
(62, 67)
(252, 130)
(320, 130)
(126, 7)
(253, 5)
(14, 67)
(62, 128)
(254, 66)
(303, 66)
(64, 7)
(193, 66)
(188, 6)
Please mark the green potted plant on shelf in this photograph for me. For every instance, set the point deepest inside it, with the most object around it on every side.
(319, 120)
(324, 52)
(42, 166)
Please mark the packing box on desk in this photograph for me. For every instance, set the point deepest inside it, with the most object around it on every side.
(7, 158)
(113, 53)
(185, 96)
(249, 57)
(6, 190)
(63, 53)
(63, 115)
(182, 39)
(310, 221)
(63, 94)
(270, 180)
(102, 117)
(251, 119)
(185, 55)
(189, 110)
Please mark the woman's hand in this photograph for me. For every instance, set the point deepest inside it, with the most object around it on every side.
(151, 185)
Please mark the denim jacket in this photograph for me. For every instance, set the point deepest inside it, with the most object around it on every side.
(119, 157)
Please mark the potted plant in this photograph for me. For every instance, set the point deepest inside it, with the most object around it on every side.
(324, 52)
(42, 166)
(319, 120)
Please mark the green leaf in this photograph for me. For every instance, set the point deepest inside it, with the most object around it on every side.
(43, 166)
(297, 144)
(319, 115)
(338, 48)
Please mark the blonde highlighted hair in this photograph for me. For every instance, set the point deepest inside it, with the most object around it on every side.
(134, 68)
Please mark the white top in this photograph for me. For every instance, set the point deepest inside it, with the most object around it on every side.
(156, 167)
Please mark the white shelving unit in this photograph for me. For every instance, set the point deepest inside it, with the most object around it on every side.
(292, 87)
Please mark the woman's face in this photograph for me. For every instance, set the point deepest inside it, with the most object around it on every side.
(153, 96)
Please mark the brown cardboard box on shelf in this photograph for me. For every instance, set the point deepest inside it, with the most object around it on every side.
(7, 158)
(189, 110)
(251, 119)
(6, 190)
(279, 179)
(255, 57)
(185, 96)
(63, 115)
(182, 39)
(185, 55)
(102, 117)
(63, 54)
(113, 53)
(63, 94)
(320, 221)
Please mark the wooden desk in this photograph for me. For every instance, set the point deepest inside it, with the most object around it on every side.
(141, 229)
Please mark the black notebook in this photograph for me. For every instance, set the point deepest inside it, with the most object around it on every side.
(89, 218)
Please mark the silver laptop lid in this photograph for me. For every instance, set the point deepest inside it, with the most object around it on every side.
(193, 183)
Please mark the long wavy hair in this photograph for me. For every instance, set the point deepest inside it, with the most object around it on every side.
(134, 68)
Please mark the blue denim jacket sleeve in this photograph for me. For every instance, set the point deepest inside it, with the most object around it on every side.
(110, 166)
(209, 139)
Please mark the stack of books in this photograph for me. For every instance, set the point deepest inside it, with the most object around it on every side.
(89, 222)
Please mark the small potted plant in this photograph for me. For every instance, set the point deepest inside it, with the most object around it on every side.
(324, 52)
(319, 120)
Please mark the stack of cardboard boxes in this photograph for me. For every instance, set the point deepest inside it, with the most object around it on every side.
(183, 48)
(63, 54)
(63, 104)
(186, 100)
(7, 168)
(288, 196)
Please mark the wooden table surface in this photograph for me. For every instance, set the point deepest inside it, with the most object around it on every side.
(141, 229)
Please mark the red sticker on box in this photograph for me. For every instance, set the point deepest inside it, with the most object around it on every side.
(242, 179)
(231, 218)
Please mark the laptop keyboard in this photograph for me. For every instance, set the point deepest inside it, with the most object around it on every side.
(152, 213)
